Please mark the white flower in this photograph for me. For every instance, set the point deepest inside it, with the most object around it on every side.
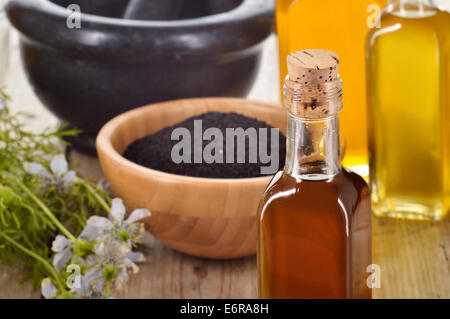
(63, 249)
(116, 269)
(59, 174)
(127, 232)
(115, 238)
(48, 290)
(112, 259)
(118, 212)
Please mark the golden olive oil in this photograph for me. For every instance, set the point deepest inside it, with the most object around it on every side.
(339, 26)
(408, 103)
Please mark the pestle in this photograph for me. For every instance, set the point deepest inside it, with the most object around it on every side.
(200, 8)
(176, 9)
(98, 7)
(219, 6)
(154, 9)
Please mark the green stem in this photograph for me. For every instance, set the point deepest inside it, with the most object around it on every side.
(47, 212)
(37, 257)
(98, 198)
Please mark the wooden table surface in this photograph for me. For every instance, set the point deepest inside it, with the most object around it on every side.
(414, 256)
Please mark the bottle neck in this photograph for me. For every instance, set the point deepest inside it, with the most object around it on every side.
(412, 8)
(415, 3)
(312, 148)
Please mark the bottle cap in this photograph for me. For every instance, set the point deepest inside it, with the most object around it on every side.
(313, 87)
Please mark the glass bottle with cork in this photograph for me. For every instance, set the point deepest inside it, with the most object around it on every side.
(314, 220)
(408, 64)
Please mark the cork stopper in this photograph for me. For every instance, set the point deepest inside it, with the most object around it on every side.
(313, 66)
(313, 89)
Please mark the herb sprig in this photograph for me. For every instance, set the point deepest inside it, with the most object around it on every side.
(27, 229)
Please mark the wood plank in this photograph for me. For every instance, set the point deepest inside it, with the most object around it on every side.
(169, 274)
(414, 258)
(10, 287)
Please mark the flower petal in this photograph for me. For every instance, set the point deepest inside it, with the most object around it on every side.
(134, 268)
(103, 184)
(95, 279)
(61, 258)
(93, 274)
(48, 290)
(98, 287)
(82, 286)
(123, 248)
(60, 243)
(118, 209)
(70, 178)
(90, 233)
(36, 169)
(122, 279)
(90, 261)
(100, 249)
(138, 214)
(59, 165)
(135, 256)
(130, 265)
(100, 222)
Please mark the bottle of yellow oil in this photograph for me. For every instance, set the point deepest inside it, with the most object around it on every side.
(340, 26)
(409, 111)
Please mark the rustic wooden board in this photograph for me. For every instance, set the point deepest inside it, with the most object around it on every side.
(413, 256)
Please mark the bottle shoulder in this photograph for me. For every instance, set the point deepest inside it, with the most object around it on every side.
(346, 188)
(357, 180)
(390, 24)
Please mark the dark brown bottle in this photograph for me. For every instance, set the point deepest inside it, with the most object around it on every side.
(314, 219)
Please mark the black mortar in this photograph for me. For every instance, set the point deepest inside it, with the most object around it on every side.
(88, 76)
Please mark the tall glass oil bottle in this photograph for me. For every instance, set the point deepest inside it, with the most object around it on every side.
(314, 220)
(340, 26)
(409, 111)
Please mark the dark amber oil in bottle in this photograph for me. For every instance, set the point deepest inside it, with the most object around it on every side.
(308, 233)
(314, 218)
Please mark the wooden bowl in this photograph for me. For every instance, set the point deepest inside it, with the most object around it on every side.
(206, 217)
